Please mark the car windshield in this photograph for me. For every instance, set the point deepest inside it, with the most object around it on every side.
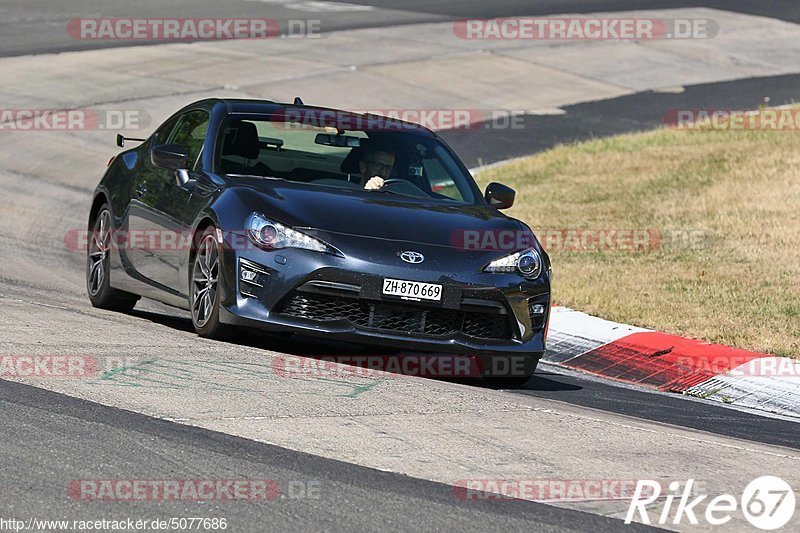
(402, 162)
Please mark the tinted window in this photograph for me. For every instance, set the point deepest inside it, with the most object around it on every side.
(162, 133)
(191, 133)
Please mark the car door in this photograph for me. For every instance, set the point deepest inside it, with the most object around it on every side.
(159, 218)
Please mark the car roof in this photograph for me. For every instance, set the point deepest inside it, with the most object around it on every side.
(257, 107)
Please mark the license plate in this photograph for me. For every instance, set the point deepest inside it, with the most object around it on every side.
(412, 290)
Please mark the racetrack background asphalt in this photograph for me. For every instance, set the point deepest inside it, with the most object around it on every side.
(314, 493)
(33, 27)
(385, 448)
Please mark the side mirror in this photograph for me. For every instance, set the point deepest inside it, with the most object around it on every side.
(499, 196)
(171, 156)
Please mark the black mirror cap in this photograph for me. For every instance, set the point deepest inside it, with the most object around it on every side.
(171, 156)
(499, 196)
(120, 140)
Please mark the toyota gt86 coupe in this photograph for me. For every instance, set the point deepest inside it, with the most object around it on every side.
(318, 222)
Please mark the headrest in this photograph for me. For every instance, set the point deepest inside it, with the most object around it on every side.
(242, 140)
(350, 163)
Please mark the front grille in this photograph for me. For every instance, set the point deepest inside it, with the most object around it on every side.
(397, 318)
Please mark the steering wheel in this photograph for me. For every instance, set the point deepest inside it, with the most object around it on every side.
(404, 187)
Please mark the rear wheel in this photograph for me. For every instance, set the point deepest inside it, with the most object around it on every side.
(205, 294)
(98, 266)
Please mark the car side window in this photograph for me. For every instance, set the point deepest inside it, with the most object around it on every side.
(440, 179)
(162, 133)
(191, 132)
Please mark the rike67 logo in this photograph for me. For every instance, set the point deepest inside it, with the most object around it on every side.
(768, 503)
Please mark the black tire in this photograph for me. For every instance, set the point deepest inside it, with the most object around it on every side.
(204, 294)
(98, 261)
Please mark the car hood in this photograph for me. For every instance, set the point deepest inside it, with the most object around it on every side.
(379, 215)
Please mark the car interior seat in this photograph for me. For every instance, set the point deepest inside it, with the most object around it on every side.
(240, 151)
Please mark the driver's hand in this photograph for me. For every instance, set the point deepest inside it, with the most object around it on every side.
(374, 183)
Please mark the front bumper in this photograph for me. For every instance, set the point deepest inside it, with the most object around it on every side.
(340, 298)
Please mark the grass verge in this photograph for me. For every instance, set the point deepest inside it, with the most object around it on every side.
(722, 213)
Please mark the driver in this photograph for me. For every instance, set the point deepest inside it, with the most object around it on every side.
(376, 166)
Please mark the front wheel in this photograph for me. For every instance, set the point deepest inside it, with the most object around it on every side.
(98, 267)
(205, 295)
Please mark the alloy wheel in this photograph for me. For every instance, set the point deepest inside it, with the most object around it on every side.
(99, 246)
(204, 280)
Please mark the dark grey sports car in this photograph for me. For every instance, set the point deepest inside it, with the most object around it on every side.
(323, 223)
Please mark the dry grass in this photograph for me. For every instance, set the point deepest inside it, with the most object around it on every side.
(740, 190)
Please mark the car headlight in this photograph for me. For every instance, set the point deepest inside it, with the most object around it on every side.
(271, 235)
(527, 262)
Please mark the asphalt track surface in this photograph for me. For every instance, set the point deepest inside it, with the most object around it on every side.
(636, 112)
(350, 497)
(38, 26)
(33, 27)
(53, 438)
(554, 383)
